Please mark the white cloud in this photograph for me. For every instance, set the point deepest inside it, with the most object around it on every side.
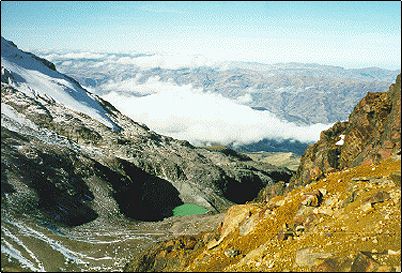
(186, 113)
(166, 61)
(74, 55)
(131, 86)
(144, 60)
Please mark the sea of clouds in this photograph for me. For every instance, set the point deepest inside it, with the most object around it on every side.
(200, 117)
(183, 112)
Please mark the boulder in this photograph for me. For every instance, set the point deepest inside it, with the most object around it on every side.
(309, 257)
(364, 263)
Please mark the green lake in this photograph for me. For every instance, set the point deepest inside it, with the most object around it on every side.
(188, 209)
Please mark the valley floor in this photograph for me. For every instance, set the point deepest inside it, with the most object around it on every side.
(29, 245)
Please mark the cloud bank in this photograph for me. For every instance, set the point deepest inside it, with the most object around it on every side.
(179, 111)
(142, 60)
(202, 118)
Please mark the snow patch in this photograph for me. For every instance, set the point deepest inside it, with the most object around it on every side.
(341, 141)
(14, 115)
(33, 78)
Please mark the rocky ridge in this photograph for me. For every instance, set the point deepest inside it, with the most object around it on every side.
(372, 134)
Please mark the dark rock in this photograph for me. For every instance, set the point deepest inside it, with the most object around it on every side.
(364, 263)
(349, 199)
(271, 191)
(378, 197)
(335, 264)
(145, 173)
(396, 177)
(285, 233)
(166, 256)
(312, 199)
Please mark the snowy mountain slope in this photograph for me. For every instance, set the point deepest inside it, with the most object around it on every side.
(29, 88)
(36, 77)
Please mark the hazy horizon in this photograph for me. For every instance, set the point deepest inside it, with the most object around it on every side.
(346, 34)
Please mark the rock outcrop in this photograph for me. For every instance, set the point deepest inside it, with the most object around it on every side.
(372, 134)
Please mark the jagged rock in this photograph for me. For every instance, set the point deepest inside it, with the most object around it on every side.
(323, 191)
(393, 252)
(285, 234)
(271, 191)
(305, 216)
(195, 175)
(366, 207)
(349, 199)
(332, 202)
(290, 232)
(372, 133)
(246, 227)
(378, 197)
(165, 256)
(299, 229)
(336, 264)
(326, 211)
(275, 203)
(213, 243)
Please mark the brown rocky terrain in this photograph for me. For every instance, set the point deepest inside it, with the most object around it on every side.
(345, 217)
(349, 221)
(372, 134)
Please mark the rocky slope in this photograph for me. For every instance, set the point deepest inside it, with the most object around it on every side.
(69, 158)
(288, 160)
(127, 152)
(348, 222)
(371, 134)
(349, 219)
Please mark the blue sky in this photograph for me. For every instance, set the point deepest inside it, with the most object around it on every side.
(350, 34)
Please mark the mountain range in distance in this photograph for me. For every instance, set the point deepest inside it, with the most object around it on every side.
(269, 103)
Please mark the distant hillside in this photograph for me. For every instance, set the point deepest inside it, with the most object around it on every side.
(296, 92)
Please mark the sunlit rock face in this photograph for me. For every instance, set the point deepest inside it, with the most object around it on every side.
(371, 134)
